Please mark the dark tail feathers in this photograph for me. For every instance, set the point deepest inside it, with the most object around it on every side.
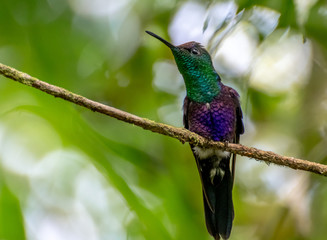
(217, 198)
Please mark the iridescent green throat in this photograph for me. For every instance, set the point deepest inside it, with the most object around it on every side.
(201, 80)
(201, 87)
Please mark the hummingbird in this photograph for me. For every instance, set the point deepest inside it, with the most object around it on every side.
(213, 111)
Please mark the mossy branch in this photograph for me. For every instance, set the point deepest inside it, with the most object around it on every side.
(181, 134)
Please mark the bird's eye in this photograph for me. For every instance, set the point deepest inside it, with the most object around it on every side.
(195, 51)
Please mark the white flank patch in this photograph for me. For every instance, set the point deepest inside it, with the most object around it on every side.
(203, 152)
(222, 154)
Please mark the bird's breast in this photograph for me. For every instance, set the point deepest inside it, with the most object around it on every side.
(215, 120)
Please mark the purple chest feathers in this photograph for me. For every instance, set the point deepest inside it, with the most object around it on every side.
(215, 120)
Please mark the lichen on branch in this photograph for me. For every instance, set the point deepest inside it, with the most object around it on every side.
(182, 134)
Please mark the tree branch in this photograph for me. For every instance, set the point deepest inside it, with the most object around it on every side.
(181, 134)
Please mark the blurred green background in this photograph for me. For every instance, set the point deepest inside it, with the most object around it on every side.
(69, 173)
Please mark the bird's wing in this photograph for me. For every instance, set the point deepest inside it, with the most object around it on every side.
(186, 106)
(239, 124)
(185, 112)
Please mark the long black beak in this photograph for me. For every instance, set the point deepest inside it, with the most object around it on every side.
(171, 46)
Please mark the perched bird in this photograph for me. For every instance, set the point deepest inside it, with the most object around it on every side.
(213, 111)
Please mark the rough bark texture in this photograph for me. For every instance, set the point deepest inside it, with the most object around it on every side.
(181, 134)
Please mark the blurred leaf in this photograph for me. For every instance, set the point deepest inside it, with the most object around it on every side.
(285, 7)
(11, 216)
(97, 147)
(264, 105)
(316, 25)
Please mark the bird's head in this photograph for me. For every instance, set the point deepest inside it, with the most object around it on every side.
(191, 57)
(195, 65)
